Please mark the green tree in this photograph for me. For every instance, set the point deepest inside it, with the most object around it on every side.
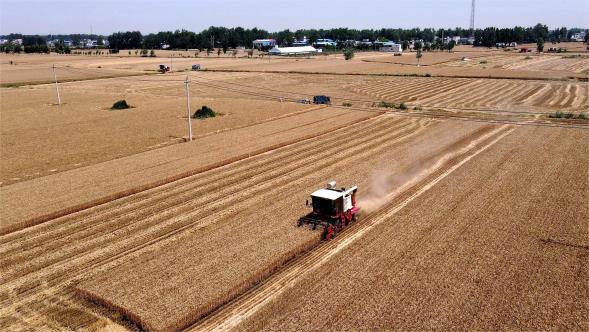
(451, 45)
(349, 53)
(405, 45)
(540, 45)
(418, 55)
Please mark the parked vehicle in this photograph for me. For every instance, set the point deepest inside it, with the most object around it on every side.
(321, 100)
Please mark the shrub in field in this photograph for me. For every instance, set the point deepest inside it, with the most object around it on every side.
(428, 75)
(120, 105)
(556, 115)
(483, 62)
(568, 115)
(152, 53)
(528, 58)
(384, 104)
(349, 53)
(204, 112)
(347, 104)
(402, 106)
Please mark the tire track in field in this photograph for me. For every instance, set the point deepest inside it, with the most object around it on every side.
(243, 307)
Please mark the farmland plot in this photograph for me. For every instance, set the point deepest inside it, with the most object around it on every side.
(482, 93)
(502, 244)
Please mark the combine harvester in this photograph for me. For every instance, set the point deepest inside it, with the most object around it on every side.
(333, 209)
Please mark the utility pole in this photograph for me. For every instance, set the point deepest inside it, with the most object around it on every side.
(56, 86)
(188, 109)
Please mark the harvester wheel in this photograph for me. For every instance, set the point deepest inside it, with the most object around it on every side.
(329, 233)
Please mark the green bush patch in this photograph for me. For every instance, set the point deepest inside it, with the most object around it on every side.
(204, 112)
(120, 105)
(568, 115)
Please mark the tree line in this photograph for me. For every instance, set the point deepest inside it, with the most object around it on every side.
(225, 38)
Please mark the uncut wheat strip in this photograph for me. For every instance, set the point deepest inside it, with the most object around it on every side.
(92, 255)
(557, 96)
(177, 189)
(401, 93)
(267, 176)
(508, 98)
(380, 87)
(463, 100)
(460, 93)
(233, 315)
(442, 88)
(468, 85)
(536, 99)
(514, 94)
(570, 95)
(582, 99)
(494, 90)
(384, 89)
(407, 92)
(521, 100)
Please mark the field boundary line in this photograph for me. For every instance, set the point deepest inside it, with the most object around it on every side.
(298, 72)
(249, 303)
(105, 199)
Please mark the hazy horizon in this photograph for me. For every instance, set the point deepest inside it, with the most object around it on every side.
(107, 16)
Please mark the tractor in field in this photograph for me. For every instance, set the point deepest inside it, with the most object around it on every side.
(333, 209)
(164, 69)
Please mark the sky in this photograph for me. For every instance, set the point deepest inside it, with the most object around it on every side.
(107, 16)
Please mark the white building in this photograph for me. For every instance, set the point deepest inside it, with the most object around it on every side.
(579, 36)
(324, 43)
(302, 42)
(295, 50)
(391, 47)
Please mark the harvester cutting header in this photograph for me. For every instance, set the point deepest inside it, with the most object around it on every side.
(333, 209)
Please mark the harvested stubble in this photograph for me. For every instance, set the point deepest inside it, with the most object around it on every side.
(501, 244)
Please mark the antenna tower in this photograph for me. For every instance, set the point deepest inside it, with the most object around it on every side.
(472, 19)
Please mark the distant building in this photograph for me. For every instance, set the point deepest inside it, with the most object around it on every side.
(324, 43)
(579, 36)
(391, 47)
(363, 43)
(3, 41)
(264, 44)
(302, 42)
(89, 43)
(295, 50)
(68, 43)
(17, 42)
